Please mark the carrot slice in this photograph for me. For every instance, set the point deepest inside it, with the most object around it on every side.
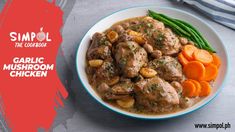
(188, 51)
(182, 59)
(211, 72)
(216, 60)
(198, 87)
(189, 89)
(206, 88)
(194, 70)
(203, 56)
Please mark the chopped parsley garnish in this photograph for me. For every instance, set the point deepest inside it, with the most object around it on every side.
(123, 61)
(110, 68)
(150, 25)
(102, 41)
(158, 40)
(135, 27)
(161, 62)
(153, 87)
(148, 32)
(133, 48)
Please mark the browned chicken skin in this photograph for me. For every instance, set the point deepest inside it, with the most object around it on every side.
(130, 57)
(166, 41)
(168, 68)
(153, 92)
(121, 90)
(99, 48)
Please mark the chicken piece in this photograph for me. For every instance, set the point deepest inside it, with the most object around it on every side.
(151, 23)
(125, 37)
(166, 41)
(155, 92)
(130, 57)
(102, 89)
(120, 90)
(125, 87)
(168, 68)
(105, 72)
(99, 48)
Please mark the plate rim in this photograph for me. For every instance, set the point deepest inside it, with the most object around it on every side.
(155, 117)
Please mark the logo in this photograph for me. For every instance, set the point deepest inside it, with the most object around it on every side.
(42, 35)
(30, 39)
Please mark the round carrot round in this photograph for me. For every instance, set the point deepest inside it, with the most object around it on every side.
(194, 70)
(206, 88)
(189, 89)
(182, 59)
(203, 56)
(198, 87)
(188, 51)
(211, 72)
(216, 60)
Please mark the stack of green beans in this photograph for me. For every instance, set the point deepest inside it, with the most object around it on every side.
(183, 29)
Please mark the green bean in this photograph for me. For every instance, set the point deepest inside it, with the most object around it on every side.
(183, 29)
(199, 34)
(168, 22)
(194, 35)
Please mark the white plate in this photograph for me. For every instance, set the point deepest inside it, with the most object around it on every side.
(108, 21)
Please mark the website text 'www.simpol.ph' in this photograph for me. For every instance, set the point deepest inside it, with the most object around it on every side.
(213, 125)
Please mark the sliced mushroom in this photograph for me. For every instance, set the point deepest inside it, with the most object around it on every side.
(137, 37)
(112, 36)
(113, 80)
(117, 89)
(111, 96)
(103, 88)
(95, 62)
(148, 72)
(127, 103)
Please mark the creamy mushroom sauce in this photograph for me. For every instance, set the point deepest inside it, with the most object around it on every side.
(133, 66)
